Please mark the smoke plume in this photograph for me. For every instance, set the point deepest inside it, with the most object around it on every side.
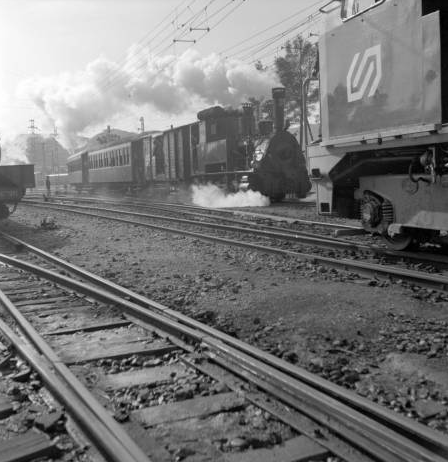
(14, 152)
(169, 85)
(212, 196)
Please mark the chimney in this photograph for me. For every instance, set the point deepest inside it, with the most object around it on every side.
(108, 129)
(278, 94)
(248, 119)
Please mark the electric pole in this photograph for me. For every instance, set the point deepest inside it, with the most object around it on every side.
(32, 128)
(54, 150)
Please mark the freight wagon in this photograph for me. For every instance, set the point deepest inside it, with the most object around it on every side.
(14, 179)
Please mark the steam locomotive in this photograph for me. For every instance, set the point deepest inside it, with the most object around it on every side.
(384, 118)
(224, 147)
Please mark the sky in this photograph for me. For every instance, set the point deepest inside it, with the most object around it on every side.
(80, 65)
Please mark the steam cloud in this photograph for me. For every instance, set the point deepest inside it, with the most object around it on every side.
(170, 85)
(212, 196)
(14, 152)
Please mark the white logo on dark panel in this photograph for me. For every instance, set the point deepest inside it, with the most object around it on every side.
(368, 74)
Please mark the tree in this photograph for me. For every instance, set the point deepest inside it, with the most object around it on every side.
(299, 63)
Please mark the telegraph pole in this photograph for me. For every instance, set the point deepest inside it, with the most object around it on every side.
(32, 128)
(54, 150)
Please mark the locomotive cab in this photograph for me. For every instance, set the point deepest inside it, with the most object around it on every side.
(384, 118)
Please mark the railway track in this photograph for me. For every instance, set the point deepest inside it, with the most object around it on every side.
(178, 389)
(197, 210)
(307, 246)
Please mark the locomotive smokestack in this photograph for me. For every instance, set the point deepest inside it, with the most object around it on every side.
(278, 94)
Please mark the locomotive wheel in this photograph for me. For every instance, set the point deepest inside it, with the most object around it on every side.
(399, 241)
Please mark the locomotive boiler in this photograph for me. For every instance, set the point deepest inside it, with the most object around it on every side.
(383, 153)
(279, 165)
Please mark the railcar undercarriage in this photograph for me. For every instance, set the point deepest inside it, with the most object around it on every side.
(399, 194)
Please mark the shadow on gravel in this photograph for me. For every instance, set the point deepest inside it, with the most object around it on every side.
(47, 235)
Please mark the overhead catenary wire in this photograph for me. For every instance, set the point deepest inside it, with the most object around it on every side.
(149, 37)
(266, 42)
(244, 42)
(142, 58)
(136, 74)
(254, 48)
(253, 55)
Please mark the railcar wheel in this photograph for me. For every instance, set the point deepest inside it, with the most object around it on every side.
(399, 241)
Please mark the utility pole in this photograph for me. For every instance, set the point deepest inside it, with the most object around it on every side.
(54, 150)
(32, 128)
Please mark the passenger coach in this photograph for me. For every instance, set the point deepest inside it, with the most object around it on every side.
(119, 166)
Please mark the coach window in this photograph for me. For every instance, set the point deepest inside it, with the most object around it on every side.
(352, 8)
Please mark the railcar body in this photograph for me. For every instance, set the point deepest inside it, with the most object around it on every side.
(119, 166)
(78, 171)
(14, 179)
(384, 118)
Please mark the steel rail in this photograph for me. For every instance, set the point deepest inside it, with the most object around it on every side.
(221, 211)
(267, 217)
(307, 238)
(288, 235)
(316, 239)
(200, 213)
(412, 430)
(110, 439)
(363, 432)
(370, 269)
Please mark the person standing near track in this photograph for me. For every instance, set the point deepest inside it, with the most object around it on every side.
(48, 185)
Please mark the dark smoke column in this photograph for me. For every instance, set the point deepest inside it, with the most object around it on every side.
(278, 94)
